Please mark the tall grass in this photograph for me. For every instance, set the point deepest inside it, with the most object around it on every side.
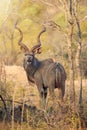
(22, 115)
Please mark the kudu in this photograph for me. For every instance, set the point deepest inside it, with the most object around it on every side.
(46, 73)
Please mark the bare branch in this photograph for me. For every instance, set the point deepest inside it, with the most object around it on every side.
(77, 20)
(9, 100)
(3, 103)
(85, 18)
(57, 26)
(47, 3)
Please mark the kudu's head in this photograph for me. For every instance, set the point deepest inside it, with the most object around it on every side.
(30, 54)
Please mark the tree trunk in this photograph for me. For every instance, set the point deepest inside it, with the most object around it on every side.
(78, 63)
(78, 54)
(79, 73)
(70, 28)
(71, 66)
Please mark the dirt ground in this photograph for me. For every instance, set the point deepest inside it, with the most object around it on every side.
(17, 76)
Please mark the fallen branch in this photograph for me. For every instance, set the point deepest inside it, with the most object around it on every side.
(9, 100)
(3, 103)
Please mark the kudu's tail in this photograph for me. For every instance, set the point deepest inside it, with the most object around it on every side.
(60, 75)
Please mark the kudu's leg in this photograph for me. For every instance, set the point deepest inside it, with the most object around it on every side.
(63, 88)
(62, 91)
(60, 94)
(43, 94)
(52, 98)
(51, 91)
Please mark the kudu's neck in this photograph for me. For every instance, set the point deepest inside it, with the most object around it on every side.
(35, 64)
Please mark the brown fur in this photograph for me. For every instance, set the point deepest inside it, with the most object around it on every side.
(45, 74)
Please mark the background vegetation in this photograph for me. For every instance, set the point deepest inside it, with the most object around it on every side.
(31, 16)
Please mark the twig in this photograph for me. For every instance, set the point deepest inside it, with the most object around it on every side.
(85, 18)
(47, 3)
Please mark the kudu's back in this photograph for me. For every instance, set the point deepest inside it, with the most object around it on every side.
(52, 73)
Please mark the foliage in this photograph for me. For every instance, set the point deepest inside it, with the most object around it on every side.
(31, 10)
(31, 15)
(60, 20)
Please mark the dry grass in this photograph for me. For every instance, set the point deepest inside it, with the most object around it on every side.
(57, 116)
